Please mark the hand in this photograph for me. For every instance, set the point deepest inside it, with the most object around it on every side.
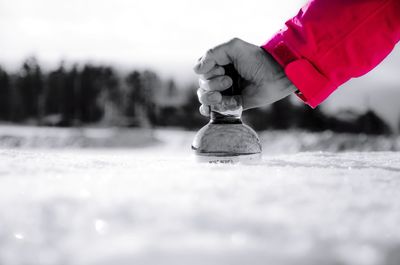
(265, 80)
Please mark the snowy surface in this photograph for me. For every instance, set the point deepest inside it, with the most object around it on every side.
(155, 205)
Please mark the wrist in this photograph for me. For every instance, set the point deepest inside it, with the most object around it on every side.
(283, 56)
(279, 74)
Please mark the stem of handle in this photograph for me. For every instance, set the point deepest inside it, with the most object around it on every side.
(234, 75)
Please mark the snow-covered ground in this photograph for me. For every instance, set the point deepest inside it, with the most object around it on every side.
(153, 204)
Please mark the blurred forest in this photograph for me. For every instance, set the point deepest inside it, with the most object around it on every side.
(89, 94)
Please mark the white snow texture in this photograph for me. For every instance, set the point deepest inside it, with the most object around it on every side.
(155, 205)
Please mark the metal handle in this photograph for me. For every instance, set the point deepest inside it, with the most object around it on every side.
(235, 89)
(219, 116)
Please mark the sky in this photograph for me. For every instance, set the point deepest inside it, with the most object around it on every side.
(167, 36)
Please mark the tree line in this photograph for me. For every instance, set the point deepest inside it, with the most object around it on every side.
(89, 94)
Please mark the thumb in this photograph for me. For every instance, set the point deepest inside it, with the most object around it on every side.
(219, 55)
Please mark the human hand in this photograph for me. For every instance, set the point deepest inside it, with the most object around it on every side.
(264, 79)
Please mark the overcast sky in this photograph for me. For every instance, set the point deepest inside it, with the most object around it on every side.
(167, 36)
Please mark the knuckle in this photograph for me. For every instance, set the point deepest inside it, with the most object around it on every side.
(203, 84)
(199, 93)
(235, 41)
(209, 53)
(203, 98)
(207, 76)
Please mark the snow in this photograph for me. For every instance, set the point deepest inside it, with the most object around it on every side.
(156, 205)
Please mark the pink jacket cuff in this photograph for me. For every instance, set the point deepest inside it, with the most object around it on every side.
(329, 42)
(311, 84)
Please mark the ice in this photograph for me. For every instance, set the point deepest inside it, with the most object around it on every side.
(156, 205)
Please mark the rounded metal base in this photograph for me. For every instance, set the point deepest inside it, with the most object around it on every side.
(226, 140)
(211, 159)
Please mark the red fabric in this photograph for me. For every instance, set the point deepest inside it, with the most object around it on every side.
(330, 41)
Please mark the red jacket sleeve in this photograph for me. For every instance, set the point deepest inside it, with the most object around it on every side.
(330, 41)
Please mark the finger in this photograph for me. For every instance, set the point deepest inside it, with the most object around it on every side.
(205, 110)
(220, 55)
(216, 71)
(208, 98)
(205, 64)
(219, 83)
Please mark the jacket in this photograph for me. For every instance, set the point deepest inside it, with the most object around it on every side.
(330, 41)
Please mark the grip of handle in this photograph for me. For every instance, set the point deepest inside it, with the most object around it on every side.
(235, 89)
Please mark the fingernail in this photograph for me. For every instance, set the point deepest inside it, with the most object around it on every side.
(226, 82)
(214, 97)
